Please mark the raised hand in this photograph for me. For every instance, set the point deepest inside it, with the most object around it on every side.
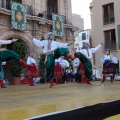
(14, 40)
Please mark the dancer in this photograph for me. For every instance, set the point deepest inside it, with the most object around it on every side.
(76, 63)
(85, 55)
(65, 64)
(58, 72)
(108, 62)
(2, 75)
(6, 55)
(69, 75)
(53, 50)
(31, 71)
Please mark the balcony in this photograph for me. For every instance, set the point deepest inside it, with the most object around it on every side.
(48, 16)
(108, 20)
(8, 7)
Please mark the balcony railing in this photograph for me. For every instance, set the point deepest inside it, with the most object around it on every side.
(48, 16)
(8, 7)
(2, 3)
(108, 20)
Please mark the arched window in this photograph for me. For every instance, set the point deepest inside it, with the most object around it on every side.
(52, 7)
(8, 2)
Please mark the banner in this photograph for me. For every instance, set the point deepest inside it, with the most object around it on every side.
(58, 27)
(18, 16)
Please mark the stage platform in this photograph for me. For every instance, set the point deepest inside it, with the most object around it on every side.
(22, 101)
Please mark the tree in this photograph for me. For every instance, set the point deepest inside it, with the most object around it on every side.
(21, 50)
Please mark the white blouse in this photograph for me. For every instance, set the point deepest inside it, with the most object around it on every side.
(90, 50)
(57, 60)
(31, 61)
(64, 63)
(108, 57)
(76, 62)
(44, 43)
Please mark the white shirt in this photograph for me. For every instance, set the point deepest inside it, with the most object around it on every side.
(76, 62)
(90, 50)
(44, 43)
(31, 61)
(5, 41)
(108, 57)
(64, 63)
(57, 60)
(3, 63)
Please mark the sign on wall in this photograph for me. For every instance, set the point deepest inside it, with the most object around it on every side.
(18, 16)
(58, 26)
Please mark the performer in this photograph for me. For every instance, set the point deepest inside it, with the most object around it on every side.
(31, 71)
(85, 68)
(76, 63)
(108, 61)
(2, 75)
(58, 72)
(65, 64)
(53, 50)
(69, 75)
(6, 55)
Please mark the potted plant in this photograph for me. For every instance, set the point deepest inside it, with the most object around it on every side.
(16, 68)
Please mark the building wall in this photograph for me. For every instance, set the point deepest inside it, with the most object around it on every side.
(38, 31)
(78, 21)
(79, 40)
(98, 27)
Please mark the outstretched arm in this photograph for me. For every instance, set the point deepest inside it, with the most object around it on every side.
(96, 48)
(65, 45)
(37, 42)
(8, 41)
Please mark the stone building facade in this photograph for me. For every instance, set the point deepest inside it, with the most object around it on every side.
(38, 11)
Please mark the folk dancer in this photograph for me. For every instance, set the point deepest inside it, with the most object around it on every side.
(53, 50)
(65, 64)
(6, 55)
(31, 71)
(85, 55)
(69, 75)
(76, 63)
(58, 72)
(108, 61)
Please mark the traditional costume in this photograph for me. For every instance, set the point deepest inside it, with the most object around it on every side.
(65, 64)
(58, 72)
(6, 55)
(31, 71)
(85, 67)
(69, 75)
(108, 66)
(76, 63)
(53, 50)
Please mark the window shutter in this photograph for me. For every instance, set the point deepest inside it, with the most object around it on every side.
(118, 29)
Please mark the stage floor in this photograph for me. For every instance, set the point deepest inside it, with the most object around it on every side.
(22, 101)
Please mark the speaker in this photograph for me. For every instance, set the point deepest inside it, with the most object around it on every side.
(40, 15)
